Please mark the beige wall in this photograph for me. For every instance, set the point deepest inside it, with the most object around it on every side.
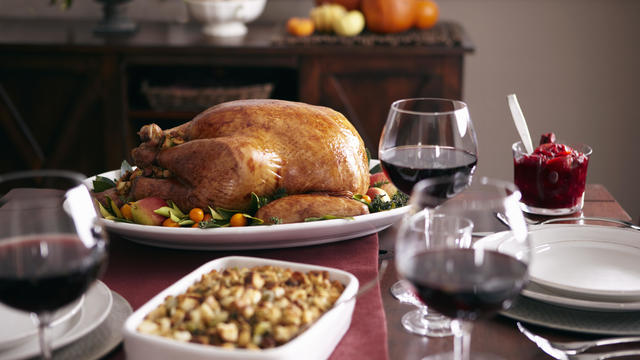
(574, 64)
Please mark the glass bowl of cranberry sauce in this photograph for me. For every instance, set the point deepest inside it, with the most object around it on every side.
(552, 178)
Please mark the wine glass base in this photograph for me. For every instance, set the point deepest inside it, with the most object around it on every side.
(400, 291)
(433, 325)
(474, 356)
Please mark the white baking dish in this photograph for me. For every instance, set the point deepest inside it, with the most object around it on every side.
(317, 342)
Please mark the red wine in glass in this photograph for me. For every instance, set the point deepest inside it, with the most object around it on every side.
(52, 244)
(406, 165)
(60, 269)
(462, 283)
(428, 139)
(465, 280)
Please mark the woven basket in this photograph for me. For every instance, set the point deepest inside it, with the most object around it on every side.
(176, 98)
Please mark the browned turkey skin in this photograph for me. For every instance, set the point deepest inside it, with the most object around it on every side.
(297, 208)
(233, 149)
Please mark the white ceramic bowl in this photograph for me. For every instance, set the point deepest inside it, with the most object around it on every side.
(317, 342)
(224, 18)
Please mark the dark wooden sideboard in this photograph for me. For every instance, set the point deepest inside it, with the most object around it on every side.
(71, 99)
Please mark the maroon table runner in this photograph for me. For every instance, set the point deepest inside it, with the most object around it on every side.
(138, 272)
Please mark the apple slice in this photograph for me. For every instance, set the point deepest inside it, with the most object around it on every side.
(142, 211)
(376, 191)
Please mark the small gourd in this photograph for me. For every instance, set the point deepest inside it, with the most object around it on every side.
(323, 16)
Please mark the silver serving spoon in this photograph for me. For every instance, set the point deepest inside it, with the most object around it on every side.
(519, 121)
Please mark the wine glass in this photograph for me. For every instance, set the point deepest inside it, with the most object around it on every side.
(434, 228)
(428, 138)
(462, 279)
(52, 244)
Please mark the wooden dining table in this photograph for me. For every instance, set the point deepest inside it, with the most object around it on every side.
(497, 335)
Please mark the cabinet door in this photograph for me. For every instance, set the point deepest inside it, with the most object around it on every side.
(363, 87)
(60, 111)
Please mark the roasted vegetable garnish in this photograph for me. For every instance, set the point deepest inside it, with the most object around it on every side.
(376, 169)
(257, 202)
(173, 213)
(399, 199)
(327, 217)
(102, 183)
(214, 217)
(378, 204)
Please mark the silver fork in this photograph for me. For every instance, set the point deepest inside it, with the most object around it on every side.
(588, 218)
(572, 350)
(603, 356)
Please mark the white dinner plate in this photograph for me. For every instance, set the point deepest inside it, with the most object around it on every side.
(253, 237)
(540, 293)
(22, 325)
(581, 266)
(94, 310)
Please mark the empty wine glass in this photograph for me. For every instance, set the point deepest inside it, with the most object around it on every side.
(428, 138)
(463, 281)
(52, 246)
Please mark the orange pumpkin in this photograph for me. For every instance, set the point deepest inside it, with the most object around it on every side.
(389, 16)
(348, 4)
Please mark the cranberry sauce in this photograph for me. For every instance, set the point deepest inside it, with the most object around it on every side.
(553, 176)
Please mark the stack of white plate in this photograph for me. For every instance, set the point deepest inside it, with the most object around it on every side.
(588, 267)
(18, 339)
(583, 278)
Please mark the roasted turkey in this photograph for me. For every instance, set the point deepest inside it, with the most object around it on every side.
(262, 146)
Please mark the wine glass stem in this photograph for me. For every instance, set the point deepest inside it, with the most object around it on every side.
(45, 344)
(462, 339)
